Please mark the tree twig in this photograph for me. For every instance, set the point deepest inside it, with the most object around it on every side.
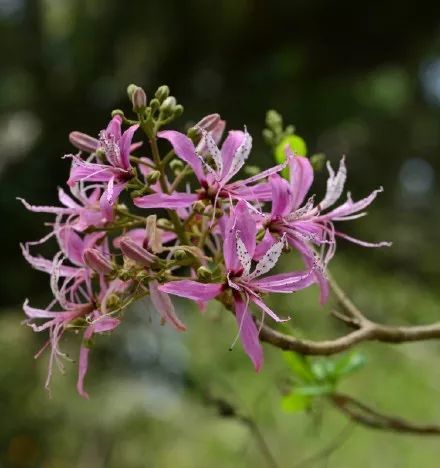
(363, 414)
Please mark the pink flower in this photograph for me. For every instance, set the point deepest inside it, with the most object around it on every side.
(308, 224)
(117, 172)
(214, 179)
(246, 285)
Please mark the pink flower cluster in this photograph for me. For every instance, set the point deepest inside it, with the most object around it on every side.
(219, 236)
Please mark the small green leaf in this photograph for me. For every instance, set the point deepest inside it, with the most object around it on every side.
(300, 366)
(322, 369)
(349, 363)
(297, 145)
(295, 402)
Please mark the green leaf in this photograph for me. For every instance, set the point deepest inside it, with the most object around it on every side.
(295, 402)
(322, 369)
(297, 145)
(300, 366)
(349, 363)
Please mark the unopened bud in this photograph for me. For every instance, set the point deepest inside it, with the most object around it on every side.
(83, 142)
(139, 99)
(180, 254)
(154, 104)
(153, 177)
(199, 206)
(178, 110)
(135, 252)
(176, 165)
(168, 104)
(209, 122)
(164, 223)
(116, 112)
(95, 260)
(204, 273)
(162, 93)
(131, 88)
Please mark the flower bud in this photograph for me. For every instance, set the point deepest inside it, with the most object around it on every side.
(153, 177)
(83, 142)
(178, 110)
(135, 252)
(154, 104)
(199, 206)
(168, 104)
(176, 165)
(204, 273)
(180, 254)
(95, 260)
(131, 88)
(162, 92)
(164, 223)
(209, 122)
(116, 112)
(139, 99)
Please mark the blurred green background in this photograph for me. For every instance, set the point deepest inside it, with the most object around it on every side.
(359, 79)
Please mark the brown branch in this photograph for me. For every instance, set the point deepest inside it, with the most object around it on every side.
(363, 414)
(367, 332)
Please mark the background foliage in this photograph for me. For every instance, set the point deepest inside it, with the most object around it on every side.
(357, 80)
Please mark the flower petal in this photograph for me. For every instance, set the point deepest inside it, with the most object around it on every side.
(163, 200)
(248, 332)
(301, 177)
(192, 289)
(184, 148)
(162, 303)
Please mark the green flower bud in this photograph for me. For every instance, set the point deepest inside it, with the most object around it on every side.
(168, 104)
(164, 223)
(268, 136)
(153, 177)
(176, 165)
(180, 255)
(130, 90)
(199, 206)
(274, 120)
(162, 92)
(204, 273)
(317, 161)
(154, 104)
(117, 112)
(178, 110)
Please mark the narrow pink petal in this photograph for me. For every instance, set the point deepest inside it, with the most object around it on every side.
(282, 196)
(184, 148)
(125, 145)
(285, 282)
(248, 332)
(229, 147)
(114, 127)
(162, 303)
(301, 177)
(349, 207)
(245, 226)
(258, 302)
(46, 209)
(265, 243)
(192, 289)
(311, 261)
(109, 197)
(363, 243)
(162, 200)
